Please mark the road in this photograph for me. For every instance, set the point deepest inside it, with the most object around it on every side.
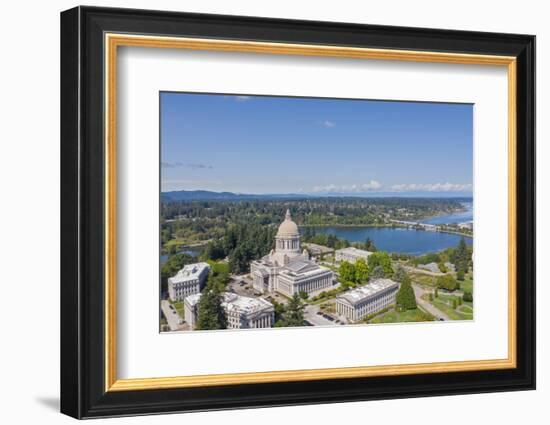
(418, 292)
(172, 317)
(310, 314)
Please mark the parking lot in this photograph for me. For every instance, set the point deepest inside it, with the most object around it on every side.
(316, 317)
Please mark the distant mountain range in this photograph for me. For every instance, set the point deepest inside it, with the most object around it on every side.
(206, 195)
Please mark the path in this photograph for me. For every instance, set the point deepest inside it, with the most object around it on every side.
(429, 307)
(172, 316)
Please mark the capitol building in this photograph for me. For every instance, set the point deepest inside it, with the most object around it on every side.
(286, 269)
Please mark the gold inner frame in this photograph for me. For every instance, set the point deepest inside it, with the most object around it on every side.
(113, 41)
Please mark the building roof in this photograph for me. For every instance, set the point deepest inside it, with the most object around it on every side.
(189, 272)
(288, 227)
(234, 302)
(246, 305)
(362, 293)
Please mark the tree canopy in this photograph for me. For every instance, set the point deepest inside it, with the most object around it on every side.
(381, 259)
(211, 314)
(293, 314)
(447, 282)
(406, 299)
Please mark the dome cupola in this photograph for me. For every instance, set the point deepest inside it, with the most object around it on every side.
(288, 228)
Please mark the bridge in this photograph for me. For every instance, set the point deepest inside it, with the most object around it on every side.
(416, 225)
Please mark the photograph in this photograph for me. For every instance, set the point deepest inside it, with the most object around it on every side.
(280, 211)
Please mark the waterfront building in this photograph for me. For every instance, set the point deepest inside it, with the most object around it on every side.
(366, 300)
(188, 281)
(242, 312)
(288, 270)
(351, 254)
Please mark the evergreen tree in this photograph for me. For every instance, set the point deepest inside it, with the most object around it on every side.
(406, 299)
(294, 313)
(468, 297)
(461, 256)
(369, 245)
(211, 313)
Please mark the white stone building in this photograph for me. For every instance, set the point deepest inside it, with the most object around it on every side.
(188, 281)
(366, 300)
(351, 254)
(242, 312)
(288, 270)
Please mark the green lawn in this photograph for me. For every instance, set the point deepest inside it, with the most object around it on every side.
(178, 305)
(393, 316)
(445, 304)
(423, 279)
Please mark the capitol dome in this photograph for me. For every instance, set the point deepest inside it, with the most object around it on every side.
(288, 227)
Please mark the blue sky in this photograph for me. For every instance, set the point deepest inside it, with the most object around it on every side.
(261, 144)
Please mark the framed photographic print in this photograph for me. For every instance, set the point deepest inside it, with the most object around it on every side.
(261, 212)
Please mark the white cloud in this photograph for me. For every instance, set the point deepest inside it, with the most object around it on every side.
(329, 124)
(431, 187)
(192, 165)
(372, 185)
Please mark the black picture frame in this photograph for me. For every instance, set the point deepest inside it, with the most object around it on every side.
(82, 212)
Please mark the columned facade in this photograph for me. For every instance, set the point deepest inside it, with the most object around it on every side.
(287, 270)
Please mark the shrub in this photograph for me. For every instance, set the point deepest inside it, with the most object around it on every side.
(468, 297)
(447, 282)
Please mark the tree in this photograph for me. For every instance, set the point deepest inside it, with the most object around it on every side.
(436, 293)
(369, 245)
(447, 282)
(467, 297)
(461, 256)
(347, 271)
(460, 275)
(406, 299)
(294, 313)
(303, 295)
(400, 274)
(454, 304)
(211, 313)
(442, 267)
(361, 271)
(378, 273)
(381, 259)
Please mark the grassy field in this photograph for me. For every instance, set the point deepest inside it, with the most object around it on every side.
(445, 304)
(393, 316)
(178, 305)
(423, 279)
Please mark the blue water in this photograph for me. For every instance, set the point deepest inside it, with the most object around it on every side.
(193, 252)
(407, 241)
(460, 217)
